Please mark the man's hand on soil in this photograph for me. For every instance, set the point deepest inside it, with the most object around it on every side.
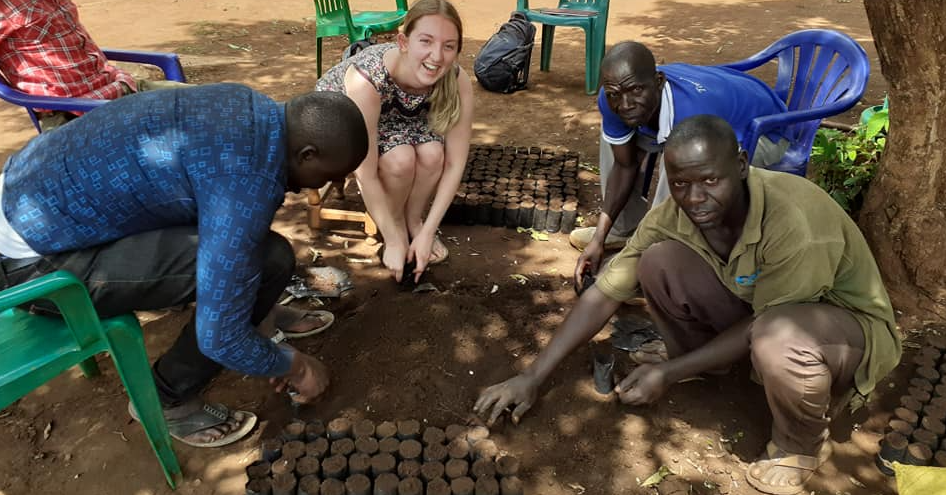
(588, 261)
(644, 385)
(519, 391)
(307, 375)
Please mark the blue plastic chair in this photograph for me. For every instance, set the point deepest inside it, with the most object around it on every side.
(167, 62)
(35, 349)
(820, 73)
(595, 27)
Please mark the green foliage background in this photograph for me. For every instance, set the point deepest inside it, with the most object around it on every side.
(843, 164)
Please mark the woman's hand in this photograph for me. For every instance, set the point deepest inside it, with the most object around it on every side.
(394, 257)
(421, 249)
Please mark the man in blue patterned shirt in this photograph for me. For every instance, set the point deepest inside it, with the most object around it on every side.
(163, 198)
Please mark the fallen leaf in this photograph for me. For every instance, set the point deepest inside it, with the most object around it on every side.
(359, 260)
(425, 287)
(520, 279)
(657, 477)
(578, 488)
(856, 482)
(47, 430)
(494, 290)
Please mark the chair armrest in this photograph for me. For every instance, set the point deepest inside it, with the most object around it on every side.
(522, 5)
(767, 123)
(68, 294)
(49, 102)
(170, 63)
(749, 63)
(401, 5)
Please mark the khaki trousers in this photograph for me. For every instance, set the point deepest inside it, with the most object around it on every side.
(806, 354)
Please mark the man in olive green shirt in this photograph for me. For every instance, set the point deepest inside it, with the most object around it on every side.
(742, 262)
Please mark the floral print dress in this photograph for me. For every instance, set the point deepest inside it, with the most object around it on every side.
(403, 118)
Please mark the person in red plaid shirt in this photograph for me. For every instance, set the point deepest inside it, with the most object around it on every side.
(45, 50)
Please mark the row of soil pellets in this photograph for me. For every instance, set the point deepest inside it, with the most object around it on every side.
(917, 434)
(531, 187)
(390, 458)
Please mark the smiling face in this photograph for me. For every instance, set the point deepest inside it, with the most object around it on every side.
(430, 48)
(706, 182)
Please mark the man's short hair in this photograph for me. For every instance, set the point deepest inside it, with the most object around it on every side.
(637, 56)
(330, 121)
(707, 129)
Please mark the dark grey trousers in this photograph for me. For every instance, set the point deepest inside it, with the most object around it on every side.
(156, 270)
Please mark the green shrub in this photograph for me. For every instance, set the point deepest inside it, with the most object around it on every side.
(843, 164)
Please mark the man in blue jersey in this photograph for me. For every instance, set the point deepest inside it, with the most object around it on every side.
(166, 197)
(639, 104)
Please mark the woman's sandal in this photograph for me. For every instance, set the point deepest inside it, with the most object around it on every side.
(202, 417)
(776, 457)
(434, 259)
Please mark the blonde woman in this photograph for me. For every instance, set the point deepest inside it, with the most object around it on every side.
(418, 105)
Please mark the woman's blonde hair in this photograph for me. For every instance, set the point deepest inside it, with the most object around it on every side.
(445, 96)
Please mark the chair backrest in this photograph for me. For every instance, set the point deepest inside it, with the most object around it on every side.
(167, 62)
(817, 69)
(334, 12)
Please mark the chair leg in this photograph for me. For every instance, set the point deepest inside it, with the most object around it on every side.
(90, 368)
(591, 67)
(548, 36)
(371, 230)
(318, 57)
(600, 38)
(315, 209)
(131, 362)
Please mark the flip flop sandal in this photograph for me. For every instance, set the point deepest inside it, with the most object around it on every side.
(805, 463)
(321, 314)
(653, 352)
(773, 451)
(207, 416)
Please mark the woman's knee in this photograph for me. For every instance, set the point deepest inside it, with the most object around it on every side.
(398, 162)
(430, 157)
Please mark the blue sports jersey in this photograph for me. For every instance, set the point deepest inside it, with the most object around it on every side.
(735, 96)
(211, 156)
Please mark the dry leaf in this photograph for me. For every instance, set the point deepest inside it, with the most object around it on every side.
(657, 477)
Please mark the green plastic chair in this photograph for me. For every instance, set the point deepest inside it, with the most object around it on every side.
(595, 27)
(335, 18)
(35, 349)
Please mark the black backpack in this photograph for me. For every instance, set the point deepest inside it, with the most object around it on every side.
(503, 63)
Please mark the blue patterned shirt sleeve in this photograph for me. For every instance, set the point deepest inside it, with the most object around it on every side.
(235, 215)
(210, 156)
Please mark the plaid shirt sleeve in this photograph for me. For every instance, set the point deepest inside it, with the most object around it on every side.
(44, 50)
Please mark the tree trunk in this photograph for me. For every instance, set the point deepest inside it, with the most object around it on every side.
(904, 214)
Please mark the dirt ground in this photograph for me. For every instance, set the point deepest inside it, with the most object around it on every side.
(398, 355)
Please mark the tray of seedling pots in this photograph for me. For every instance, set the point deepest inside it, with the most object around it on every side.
(916, 433)
(518, 187)
(345, 457)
